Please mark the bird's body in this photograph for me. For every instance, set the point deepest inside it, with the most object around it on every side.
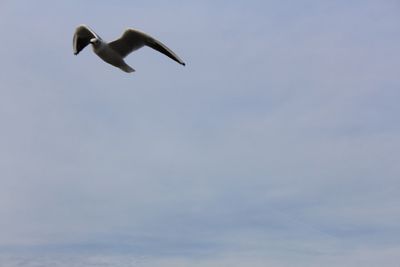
(109, 55)
(114, 52)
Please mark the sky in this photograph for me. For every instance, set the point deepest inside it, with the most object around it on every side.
(277, 145)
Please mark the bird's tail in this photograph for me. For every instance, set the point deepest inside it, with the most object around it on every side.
(127, 68)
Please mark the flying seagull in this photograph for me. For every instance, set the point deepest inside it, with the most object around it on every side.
(115, 51)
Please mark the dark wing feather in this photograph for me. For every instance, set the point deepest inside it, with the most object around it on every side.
(130, 41)
(133, 39)
(83, 35)
(160, 47)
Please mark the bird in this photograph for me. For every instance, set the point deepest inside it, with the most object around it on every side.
(114, 52)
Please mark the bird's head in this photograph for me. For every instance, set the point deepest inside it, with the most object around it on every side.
(94, 41)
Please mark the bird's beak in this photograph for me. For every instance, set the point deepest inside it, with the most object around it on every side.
(93, 40)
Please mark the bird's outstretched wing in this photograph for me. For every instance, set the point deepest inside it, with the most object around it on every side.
(132, 40)
(83, 35)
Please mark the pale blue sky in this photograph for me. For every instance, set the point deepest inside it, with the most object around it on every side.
(277, 145)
